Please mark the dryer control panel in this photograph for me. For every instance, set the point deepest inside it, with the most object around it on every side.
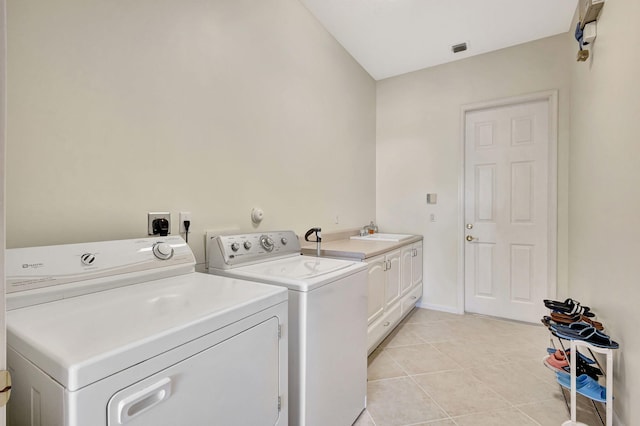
(226, 251)
(55, 272)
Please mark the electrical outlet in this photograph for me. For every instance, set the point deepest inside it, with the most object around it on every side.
(151, 216)
(184, 216)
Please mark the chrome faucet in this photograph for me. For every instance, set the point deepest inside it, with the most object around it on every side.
(369, 229)
(318, 239)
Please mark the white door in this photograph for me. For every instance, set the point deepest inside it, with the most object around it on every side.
(3, 114)
(507, 210)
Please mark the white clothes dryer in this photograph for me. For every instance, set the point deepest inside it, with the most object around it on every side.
(126, 333)
(327, 321)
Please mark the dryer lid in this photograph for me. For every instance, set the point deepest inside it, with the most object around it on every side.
(81, 340)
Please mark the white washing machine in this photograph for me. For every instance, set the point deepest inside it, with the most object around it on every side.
(126, 333)
(327, 321)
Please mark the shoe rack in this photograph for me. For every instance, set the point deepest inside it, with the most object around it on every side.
(581, 346)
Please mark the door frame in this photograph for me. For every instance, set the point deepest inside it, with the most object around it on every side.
(3, 134)
(551, 97)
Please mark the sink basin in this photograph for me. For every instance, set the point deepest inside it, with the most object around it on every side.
(383, 237)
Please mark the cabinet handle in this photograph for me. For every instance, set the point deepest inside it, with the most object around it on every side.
(386, 324)
(389, 267)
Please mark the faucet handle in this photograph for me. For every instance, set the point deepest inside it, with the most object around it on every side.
(311, 231)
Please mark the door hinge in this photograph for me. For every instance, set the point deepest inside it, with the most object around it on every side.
(5, 387)
(279, 331)
(279, 403)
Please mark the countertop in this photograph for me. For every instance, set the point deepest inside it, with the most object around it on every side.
(355, 249)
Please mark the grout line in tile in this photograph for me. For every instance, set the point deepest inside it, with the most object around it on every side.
(526, 415)
(431, 397)
(470, 413)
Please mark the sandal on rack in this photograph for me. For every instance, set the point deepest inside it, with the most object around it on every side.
(554, 364)
(585, 332)
(585, 385)
(560, 355)
(548, 322)
(596, 324)
(561, 318)
(569, 306)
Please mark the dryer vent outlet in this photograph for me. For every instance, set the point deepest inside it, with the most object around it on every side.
(158, 223)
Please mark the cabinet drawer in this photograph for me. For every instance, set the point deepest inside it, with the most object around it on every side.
(383, 326)
(410, 300)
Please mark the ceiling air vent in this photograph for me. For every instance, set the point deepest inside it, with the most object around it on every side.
(456, 48)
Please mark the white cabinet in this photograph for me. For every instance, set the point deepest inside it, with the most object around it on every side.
(395, 285)
(411, 260)
(416, 263)
(376, 285)
(393, 274)
(406, 258)
(384, 283)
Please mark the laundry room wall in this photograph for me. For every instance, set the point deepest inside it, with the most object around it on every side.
(419, 148)
(116, 109)
(604, 196)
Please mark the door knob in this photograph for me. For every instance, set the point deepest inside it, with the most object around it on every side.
(470, 238)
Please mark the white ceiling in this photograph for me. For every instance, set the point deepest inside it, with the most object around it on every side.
(392, 37)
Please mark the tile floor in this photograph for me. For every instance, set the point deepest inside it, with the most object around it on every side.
(442, 369)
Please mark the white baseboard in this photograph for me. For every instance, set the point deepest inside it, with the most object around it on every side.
(441, 308)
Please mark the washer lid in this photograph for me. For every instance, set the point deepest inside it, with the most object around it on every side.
(300, 273)
(83, 339)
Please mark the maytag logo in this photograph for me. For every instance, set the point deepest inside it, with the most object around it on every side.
(32, 265)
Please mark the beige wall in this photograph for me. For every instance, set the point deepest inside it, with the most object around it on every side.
(419, 148)
(120, 108)
(604, 196)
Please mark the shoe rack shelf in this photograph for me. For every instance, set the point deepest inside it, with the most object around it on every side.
(575, 346)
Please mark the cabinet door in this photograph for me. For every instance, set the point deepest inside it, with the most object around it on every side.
(406, 268)
(416, 264)
(376, 283)
(392, 289)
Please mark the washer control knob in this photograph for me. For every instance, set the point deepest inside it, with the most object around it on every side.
(266, 242)
(87, 259)
(247, 245)
(284, 241)
(163, 251)
(235, 246)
